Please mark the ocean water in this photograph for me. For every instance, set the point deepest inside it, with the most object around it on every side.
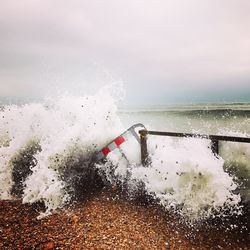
(196, 118)
(47, 149)
(190, 157)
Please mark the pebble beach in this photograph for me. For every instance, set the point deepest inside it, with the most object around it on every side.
(108, 221)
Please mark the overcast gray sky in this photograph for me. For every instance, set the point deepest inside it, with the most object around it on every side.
(164, 51)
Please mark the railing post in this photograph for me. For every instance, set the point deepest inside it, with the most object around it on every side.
(144, 151)
(215, 146)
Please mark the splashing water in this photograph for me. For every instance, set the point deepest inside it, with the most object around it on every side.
(64, 126)
(51, 145)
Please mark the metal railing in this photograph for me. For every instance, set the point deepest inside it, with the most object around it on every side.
(214, 141)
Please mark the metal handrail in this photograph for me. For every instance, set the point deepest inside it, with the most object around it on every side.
(214, 140)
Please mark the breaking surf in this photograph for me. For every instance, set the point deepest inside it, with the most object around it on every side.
(47, 154)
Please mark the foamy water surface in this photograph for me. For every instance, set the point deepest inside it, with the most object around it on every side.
(60, 135)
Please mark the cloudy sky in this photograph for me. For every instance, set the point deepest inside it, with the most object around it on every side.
(164, 51)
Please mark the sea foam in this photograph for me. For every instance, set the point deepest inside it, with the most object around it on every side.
(66, 131)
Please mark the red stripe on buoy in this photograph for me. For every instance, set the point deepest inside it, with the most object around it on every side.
(105, 150)
(119, 140)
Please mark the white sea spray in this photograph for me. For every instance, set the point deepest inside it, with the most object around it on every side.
(59, 125)
(183, 174)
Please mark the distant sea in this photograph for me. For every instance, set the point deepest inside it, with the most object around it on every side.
(200, 118)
